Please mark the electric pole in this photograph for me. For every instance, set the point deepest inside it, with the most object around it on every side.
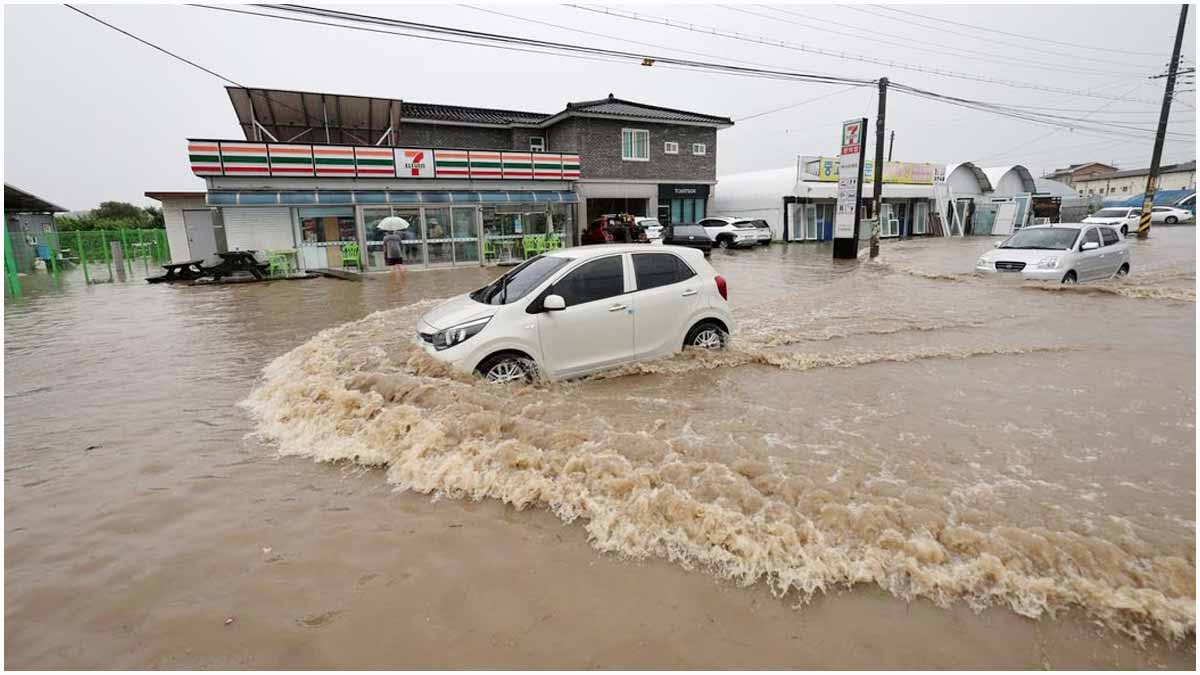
(891, 143)
(1152, 179)
(878, 200)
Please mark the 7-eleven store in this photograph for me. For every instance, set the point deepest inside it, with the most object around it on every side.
(466, 207)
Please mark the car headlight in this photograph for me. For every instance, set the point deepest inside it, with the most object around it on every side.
(983, 263)
(1047, 263)
(454, 335)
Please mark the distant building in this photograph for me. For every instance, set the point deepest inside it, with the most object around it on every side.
(1128, 183)
(28, 219)
(1077, 172)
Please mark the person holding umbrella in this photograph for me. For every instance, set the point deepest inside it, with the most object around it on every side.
(393, 243)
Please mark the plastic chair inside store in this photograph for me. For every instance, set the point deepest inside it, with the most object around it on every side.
(350, 256)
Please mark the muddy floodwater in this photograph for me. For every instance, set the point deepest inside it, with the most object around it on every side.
(896, 464)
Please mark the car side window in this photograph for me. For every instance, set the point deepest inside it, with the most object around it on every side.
(1109, 235)
(1090, 236)
(659, 269)
(593, 280)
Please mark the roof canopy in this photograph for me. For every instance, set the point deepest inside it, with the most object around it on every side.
(18, 200)
(996, 175)
(287, 116)
(981, 178)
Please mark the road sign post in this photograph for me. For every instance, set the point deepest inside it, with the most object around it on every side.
(847, 219)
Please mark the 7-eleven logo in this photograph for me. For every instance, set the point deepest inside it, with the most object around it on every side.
(414, 161)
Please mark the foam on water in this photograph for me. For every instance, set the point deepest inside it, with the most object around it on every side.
(664, 488)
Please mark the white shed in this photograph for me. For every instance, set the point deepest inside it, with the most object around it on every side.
(1010, 180)
(756, 194)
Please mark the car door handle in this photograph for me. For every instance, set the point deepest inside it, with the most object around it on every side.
(618, 307)
(690, 292)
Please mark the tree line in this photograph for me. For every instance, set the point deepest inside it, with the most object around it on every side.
(113, 216)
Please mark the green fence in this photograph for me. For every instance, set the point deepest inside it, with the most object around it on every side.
(91, 251)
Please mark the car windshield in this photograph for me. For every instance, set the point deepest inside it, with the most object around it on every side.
(1110, 213)
(1049, 238)
(518, 282)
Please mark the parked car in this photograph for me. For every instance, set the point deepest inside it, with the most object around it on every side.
(763, 230)
(1124, 218)
(613, 229)
(1170, 215)
(1066, 253)
(574, 311)
(651, 227)
(729, 232)
(689, 235)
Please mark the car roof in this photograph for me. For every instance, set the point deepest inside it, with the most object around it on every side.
(1056, 226)
(597, 250)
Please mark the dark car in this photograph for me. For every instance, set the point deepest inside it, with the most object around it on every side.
(613, 229)
(687, 234)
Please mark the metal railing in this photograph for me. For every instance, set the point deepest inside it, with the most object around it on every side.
(92, 251)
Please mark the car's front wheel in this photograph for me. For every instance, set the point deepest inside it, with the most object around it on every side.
(1124, 230)
(1123, 271)
(1070, 277)
(507, 367)
(707, 335)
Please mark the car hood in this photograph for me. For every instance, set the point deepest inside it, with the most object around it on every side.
(1102, 221)
(456, 310)
(1025, 255)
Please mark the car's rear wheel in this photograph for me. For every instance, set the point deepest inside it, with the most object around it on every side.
(707, 335)
(724, 242)
(1070, 277)
(507, 367)
(1170, 220)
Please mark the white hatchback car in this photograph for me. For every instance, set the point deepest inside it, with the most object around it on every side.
(572, 312)
(1066, 253)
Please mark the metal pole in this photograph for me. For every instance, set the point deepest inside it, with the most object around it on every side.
(82, 256)
(891, 143)
(144, 252)
(10, 267)
(118, 254)
(880, 122)
(53, 242)
(1152, 179)
(125, 252)
(107, 253)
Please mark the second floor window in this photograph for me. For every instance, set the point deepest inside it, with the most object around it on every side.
(670, 148)
(635, 145)
(699, 149)
(537, 143)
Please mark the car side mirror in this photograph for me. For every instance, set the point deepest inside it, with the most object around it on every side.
(997, 244)
(554, 303)
(1089, 246)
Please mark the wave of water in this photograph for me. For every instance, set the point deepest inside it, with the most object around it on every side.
(361, 393)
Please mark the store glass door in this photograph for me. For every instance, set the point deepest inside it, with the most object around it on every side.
(412, 250)
(465, 231)
(439, 244)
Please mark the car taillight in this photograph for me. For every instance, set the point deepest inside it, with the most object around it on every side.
(721, 288)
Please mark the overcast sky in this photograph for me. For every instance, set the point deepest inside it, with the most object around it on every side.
(92, 115)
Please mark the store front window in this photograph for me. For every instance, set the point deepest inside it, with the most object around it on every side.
(323, 233)
(412, 250)
(687, 210)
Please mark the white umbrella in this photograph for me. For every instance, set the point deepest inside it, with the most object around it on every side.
(392, 223)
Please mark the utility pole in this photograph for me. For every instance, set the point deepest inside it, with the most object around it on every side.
(1152, 179)
(891, 143)
(878, 200)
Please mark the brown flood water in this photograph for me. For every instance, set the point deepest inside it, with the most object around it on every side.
(896, 465)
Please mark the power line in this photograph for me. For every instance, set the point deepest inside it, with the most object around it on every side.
(1018, 35)
(154, 46)
(910, 44)
(772, 42)
(795, 105)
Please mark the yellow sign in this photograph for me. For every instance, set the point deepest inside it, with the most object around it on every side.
(908, 173)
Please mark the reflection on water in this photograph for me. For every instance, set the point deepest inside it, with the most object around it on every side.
(898, 423)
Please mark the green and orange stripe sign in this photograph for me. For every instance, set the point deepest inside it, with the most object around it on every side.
(290, 160)
(570, 167)
(486, 164)
(547, 166)
(334, 161)
(517, 164)
(375, 162)
(245, 159)
(452, 163)
(205, 158)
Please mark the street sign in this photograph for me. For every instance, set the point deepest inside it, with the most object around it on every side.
(850, 178)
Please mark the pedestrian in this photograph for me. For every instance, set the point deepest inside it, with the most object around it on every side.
(393, 246)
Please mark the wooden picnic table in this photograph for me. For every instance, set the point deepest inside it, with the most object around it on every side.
(187, 270)
(237, 261)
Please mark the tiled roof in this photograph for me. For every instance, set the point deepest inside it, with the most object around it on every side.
(1166, 168)
(453, 113)
(621, 108)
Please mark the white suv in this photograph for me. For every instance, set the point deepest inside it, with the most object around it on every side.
(575, 311)
(1124, 218)
(728, 232)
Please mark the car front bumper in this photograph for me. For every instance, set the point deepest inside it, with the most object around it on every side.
(1027, 274)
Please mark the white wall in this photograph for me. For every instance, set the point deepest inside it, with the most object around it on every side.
(176, 233)
(962, 180)
(1010, 184)
(258, 228)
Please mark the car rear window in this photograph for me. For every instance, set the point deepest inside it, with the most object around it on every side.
(679, 231)
(659, 269)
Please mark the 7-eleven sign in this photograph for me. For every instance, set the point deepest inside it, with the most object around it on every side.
(414, 163)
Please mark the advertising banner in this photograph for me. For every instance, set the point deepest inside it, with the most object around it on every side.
(906, 173)
(845, 222)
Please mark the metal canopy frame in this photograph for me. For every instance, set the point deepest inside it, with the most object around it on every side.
(285, 116)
